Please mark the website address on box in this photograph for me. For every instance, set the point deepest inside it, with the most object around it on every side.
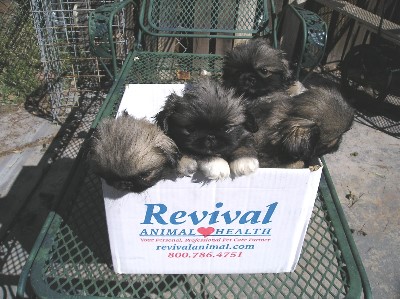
(205, 247)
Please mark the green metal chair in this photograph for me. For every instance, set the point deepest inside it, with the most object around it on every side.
(71, 257)
(166, 24)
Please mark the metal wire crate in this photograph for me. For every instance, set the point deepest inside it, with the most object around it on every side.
(71, 257)
(69, 68)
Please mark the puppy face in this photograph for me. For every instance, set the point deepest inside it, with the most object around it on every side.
(208, 120)
(132, 154)
(256, 69)
(302, 127)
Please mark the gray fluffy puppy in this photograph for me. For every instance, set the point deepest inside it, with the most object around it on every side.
(132, 154)
(212, 128)
(256, 69)
(300, 128)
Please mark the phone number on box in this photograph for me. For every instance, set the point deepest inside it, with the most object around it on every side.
(203, 254)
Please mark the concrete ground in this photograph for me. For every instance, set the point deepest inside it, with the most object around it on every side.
(364, 170)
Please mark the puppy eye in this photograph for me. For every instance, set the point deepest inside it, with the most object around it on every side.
(264, 71)
(145, 175)
(228, 129)
(190, 129)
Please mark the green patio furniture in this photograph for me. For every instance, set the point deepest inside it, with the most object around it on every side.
(71, 257)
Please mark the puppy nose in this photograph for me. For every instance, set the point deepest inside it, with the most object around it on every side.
(210, 140)
(248, 79)
(251, 81)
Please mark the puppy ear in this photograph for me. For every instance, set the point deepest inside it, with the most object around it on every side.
(250, 124)
(299, 137)
(162, 117)
(172, 154)
(288, 72)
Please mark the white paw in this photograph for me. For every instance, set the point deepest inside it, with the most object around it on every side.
(215, 168)
(296, 89)
(186, 166)
(244, 166)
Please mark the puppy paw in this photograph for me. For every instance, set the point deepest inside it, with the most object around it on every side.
(186, 166)
(244, 166)
(296, 165)
(215, 168)
(296, 89)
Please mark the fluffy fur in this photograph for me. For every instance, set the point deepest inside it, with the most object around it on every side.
(209, 124)
(256, 69)
(300, 128)
(132, 154)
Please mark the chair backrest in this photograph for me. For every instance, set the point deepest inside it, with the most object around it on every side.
(207, 26)
(207, 18)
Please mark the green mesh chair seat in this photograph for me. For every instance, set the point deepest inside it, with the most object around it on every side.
(72, 258)
(166, 68)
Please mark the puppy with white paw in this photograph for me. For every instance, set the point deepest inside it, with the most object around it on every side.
(212, 129)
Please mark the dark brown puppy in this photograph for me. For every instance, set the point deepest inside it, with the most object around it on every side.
(300, 128)
(256, 69)
(212, 129)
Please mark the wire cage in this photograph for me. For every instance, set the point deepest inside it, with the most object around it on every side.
(19, 55)
(69, 68)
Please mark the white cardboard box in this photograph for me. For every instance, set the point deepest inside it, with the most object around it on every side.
(252, 224)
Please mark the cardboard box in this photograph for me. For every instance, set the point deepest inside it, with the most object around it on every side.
(252, 224)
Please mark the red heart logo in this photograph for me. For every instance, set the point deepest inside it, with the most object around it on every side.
(206, 231)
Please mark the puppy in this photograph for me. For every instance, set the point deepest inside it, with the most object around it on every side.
(212, 129)
(300, 128)
(132, 154)
(256, 69)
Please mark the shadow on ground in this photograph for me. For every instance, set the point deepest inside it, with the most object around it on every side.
(36, 190)
(380, 115)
